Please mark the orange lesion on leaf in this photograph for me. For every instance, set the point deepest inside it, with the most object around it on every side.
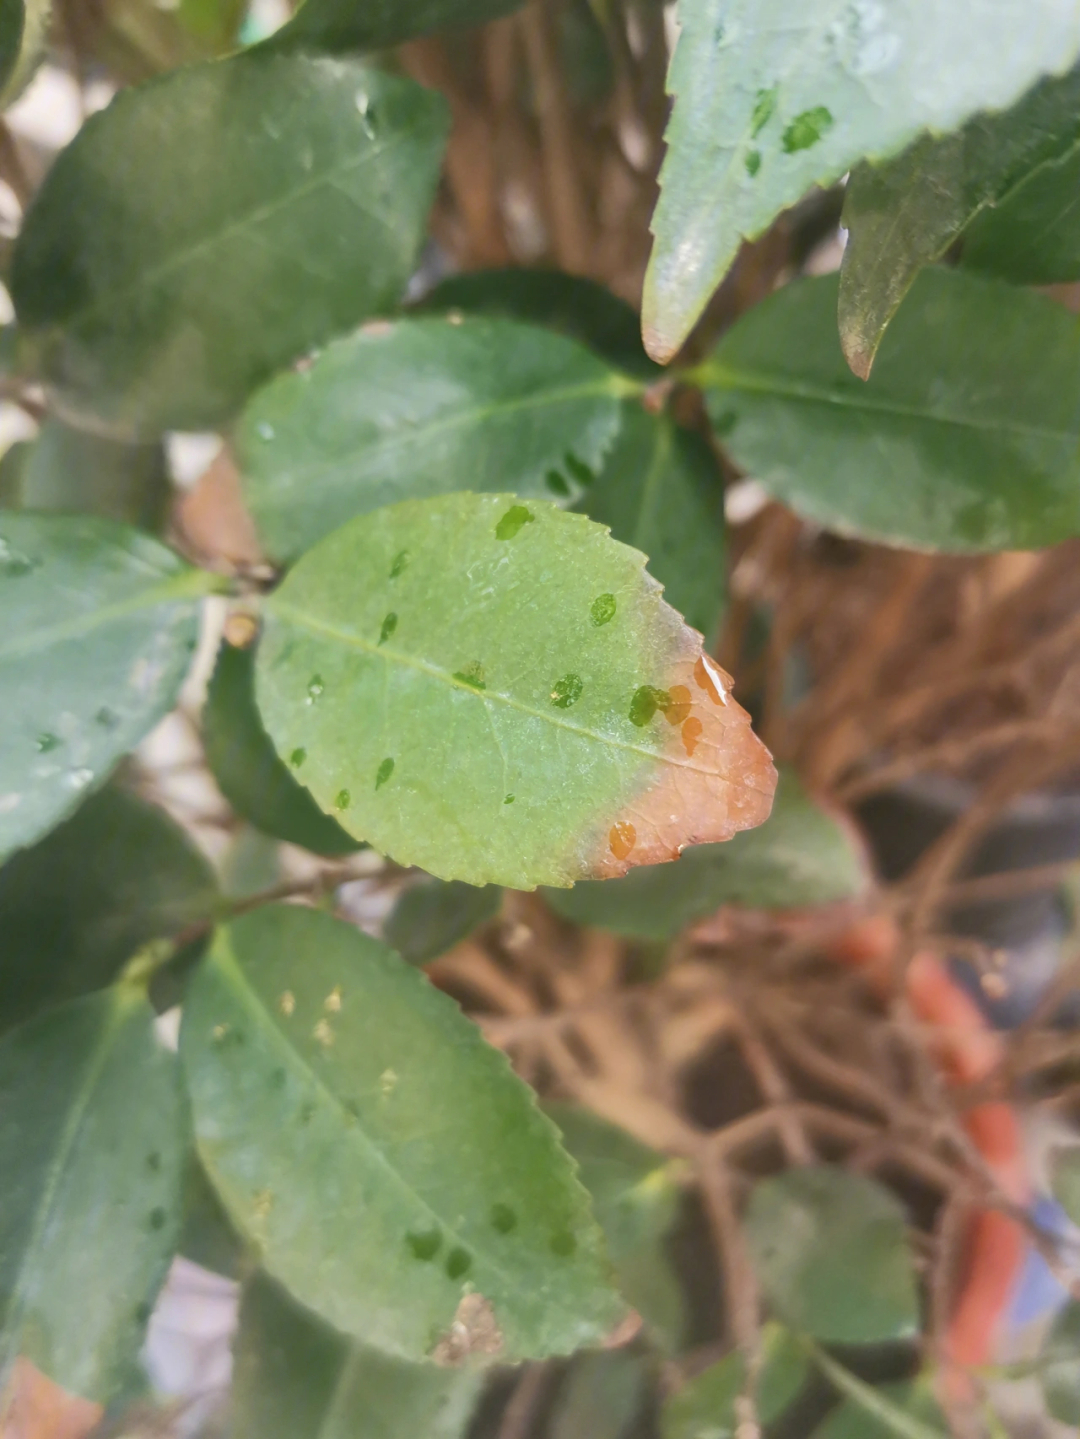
(713, 777)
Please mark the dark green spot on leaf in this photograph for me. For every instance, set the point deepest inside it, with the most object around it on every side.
(158, 1218)
(753, 162)
(515, 517)
(603, 609)
(297, 758)
(472, 675)
(342, 799)
(556, 483)
(761, 114)
(503, 1218)
(389, 625)
(386, 769)
(646, 701)
(458, 1262)
(806, 129)
(400, 560)
(567, 691)
(509, 799)
(106, 718)
(563, 1245)
(46, 742)
(424, 1244)
(578, 469)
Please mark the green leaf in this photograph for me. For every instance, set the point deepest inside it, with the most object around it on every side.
(1065, 1180)
(600, 1396)
(705, 1408)
(964, 439)
(420, 408)
(830, 1250)
(389, 1168)
(905, 213)
(245, 765)
(99, 625)
(886, 1411)
(157, 294)
(462, 725)
(92, 1148)
(295, 1378)
(802, 855)
(1061, 1360)
(1033, 236)
(431, 917)
(770, 102)
(67, 469)
(378, 24)
(637, 1199)
(79, 904)
(574, 306)
(661, 491)
(206, 1236)
(24, 36)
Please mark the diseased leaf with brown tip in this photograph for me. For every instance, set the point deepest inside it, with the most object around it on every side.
(497, 692)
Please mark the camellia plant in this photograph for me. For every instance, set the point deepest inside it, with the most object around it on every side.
(466, 649)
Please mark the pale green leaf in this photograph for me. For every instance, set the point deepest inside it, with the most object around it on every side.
(1060, 1358)
(158, 293)
(1065, 1180)
(830, 1251)
(496, 692)
(905, 213)
(378, 24)
(67, 469)
(386, 1164)
(637, 1199)
(802, 855)
(79, 904)
(600, 1396)
(418, 408)
(661, 491)
(92, 1145)
(432, 916)
(705, 1407)
(1033, 236)
(295, 1378)
(245, 765)
(99, 625)
(571, 304)
(965, 437)
(770, 101)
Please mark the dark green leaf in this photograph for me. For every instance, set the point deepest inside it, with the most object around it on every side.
(157, 294)
(92, 1147)
(770, 102)
(24, 36)
(249, 774)
(206, 1236)
(420, 408)
(378, 24)
(1065, 1180)
(1061, 1358)
(68, 469)
(432, 916)
(570, 304)
(76, 907)
(963, 439)
(661, 491)
(387, 1165)
(905, 214)
(888, 1411)
(830, 1250)
(600, 1396)
(801, 855)
(460, 724)
(1033, 236)
(295, 1378)
(637, 1200)
(705, 1408)
(99, 625)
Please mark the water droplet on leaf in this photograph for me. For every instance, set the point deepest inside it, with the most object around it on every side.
(342, 799)
(314, 689)
(622, 838)
(264, 430)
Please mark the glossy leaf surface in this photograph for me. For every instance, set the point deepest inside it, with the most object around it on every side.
(661, 491)
(705, 1407)
(1033, 236)
(963, 439)
(378, 24)
(92, 1146)
(80, 903)
(432, 916)
(420, 408)
(99, 625)
(801, 855)
(769, 103)
(295, 1378)
(157, 294)
(830, 1251)
(904, 214)
(389, 1168)
(245, 765)
(496, 692)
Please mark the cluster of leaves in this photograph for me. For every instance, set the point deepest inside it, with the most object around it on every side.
(467, 665)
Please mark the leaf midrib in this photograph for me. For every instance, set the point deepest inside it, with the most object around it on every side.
(720, 377)
(229, 968)
(294, 615)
